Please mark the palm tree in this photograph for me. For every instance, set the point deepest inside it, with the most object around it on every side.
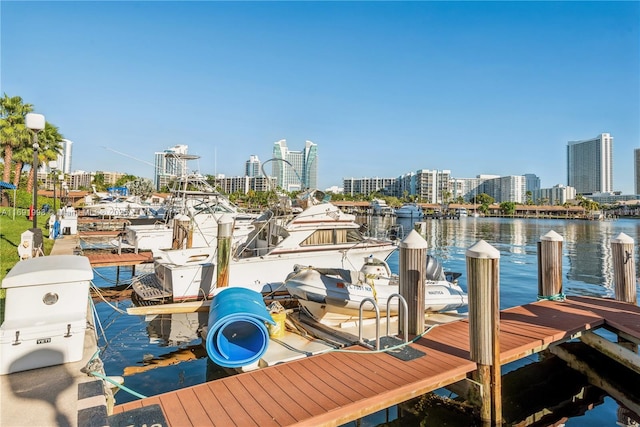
(13, 132)
(49, 140)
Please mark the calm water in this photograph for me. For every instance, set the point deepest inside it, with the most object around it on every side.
(587, 270)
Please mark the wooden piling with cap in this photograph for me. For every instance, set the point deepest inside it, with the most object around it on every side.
(413, 274)
(550, 266)
(624, 276)
(483, 284)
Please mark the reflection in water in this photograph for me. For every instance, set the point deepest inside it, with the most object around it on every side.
(587, 255)
(176, 329)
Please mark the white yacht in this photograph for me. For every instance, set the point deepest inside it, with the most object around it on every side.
(320, 234)
(195, 201)
(380, 207)
(410, 210)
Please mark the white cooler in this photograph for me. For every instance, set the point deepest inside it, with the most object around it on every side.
(45, 312)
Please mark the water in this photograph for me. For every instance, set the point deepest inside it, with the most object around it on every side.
(587, 270)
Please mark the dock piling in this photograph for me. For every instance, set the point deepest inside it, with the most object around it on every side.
(225, 230)
(624, 268)
(550, 266)
(483, 284)
(624, 277)
(413, 273)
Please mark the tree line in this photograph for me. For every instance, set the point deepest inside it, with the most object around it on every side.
(16, 141)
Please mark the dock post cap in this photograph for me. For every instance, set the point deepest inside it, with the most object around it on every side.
(225, 219)
(552, 236)
(413, 241)
(622, 238)
(482, 249)
(225, 226)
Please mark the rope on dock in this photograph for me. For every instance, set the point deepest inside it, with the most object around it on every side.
(557, 297)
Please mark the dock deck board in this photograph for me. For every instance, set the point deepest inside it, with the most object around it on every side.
(337, 387)
(111, 260)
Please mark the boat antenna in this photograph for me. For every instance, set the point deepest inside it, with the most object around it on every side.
(302, 187)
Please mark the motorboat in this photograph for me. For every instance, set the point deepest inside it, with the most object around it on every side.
(122, 207)
(462, 212)
(195, 202)
(333, 296)
(309, 231)
(117, 204)
(409, 210)
(380, 207)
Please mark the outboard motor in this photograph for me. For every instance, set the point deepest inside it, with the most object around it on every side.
(434, 269)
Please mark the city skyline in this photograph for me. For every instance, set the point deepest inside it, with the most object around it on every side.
(383, 87)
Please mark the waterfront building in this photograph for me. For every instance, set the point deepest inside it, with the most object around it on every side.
(467, 188)
(62, 163)
(170, 164)
(613, 198)
(636, 169)
(252, 166)
(511, 189)
(366, 186)
(79, 179)
(532, 184)
(590, 164)
(110, 178)
(64, 158)
(433, 186)
(302, 170)
(556, 195)
(243, 184)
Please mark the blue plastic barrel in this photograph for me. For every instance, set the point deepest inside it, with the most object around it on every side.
(237, 334)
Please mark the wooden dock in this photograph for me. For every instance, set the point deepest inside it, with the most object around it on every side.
(334, 388)
(102, 259)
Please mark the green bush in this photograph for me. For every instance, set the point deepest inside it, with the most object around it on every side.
(24, 199)
(10, 236)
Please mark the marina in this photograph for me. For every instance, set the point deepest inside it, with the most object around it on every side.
(335, 388)
(443, 361)
(345, 214)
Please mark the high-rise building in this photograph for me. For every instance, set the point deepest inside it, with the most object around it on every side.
(432, 186)
(64, 158)
(252, 167)
(636, 169)
(296, 170)
(532, 185)
(590, 165)
(62, 162)
(170, 164)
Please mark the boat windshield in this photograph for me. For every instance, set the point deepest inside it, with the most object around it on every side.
(333, 237)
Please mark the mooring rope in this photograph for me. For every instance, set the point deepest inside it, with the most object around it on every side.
(557, 297)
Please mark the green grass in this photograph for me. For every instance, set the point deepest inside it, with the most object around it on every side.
(10, 232)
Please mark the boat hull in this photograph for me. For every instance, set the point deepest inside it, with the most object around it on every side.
(192, 273)
(335, 296)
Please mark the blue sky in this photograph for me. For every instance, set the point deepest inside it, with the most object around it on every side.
(383, 88)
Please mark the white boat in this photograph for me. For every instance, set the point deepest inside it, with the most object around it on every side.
(333, 296)
(122, 207)
(461, 212)
(380, 207)
(409, 210)
(195, 201)
(321, 234)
